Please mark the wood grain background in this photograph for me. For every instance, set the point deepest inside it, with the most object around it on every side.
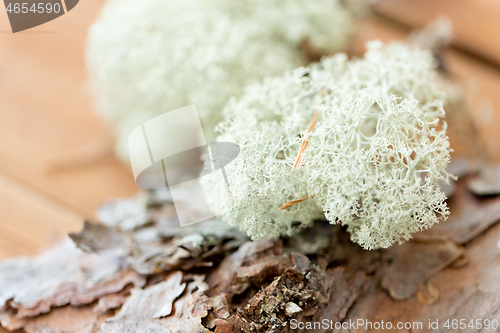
(46, 110)
(46, 113)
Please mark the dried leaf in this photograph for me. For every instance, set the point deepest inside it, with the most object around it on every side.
(413, 262)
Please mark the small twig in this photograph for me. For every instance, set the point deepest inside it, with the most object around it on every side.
(294, 202)
(305, 142)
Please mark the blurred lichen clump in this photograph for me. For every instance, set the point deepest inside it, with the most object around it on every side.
(148, 57)
(372, 161)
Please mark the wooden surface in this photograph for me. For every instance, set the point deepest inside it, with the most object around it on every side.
(46, 111)
(476, 23)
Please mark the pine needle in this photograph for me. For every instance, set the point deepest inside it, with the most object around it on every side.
(294, 202)
(305, 142)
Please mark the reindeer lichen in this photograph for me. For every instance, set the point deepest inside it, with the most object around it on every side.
(372, 162)
(145, 58)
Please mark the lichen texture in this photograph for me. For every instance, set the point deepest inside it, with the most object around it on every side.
(149, 57)
(372, 161)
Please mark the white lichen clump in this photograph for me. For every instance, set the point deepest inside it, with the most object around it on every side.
(373, 160)
(148, 57)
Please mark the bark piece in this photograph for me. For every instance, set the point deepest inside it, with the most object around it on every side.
(459, 167)
(428, 293)
(134, 326)
(62, 275)
(189, 309)
(447, 188)
(315, 275)
(261, 266)
(66, 320)
(257, 275)
(182, 253)
(223, 326)
(222, 277)
(125, 214)
(112, 301)
(312, 241)
(412, 262)
(255, 272)
(296, 294)
(170, 227)
(468, 293)
(145, 305)
(487, 181)
(469, 216)
(219, 308)
(98, 238)
(301, 263)
(148, 253)
(257, 290)
(343, 293)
